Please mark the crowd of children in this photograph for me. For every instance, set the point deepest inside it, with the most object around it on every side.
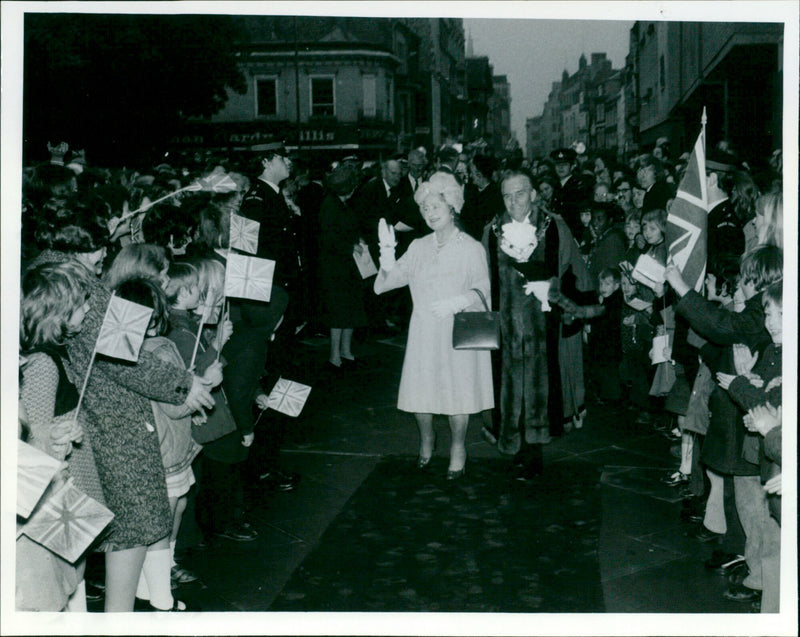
(704, 370)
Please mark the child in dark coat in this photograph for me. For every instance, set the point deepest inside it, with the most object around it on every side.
(605, 338)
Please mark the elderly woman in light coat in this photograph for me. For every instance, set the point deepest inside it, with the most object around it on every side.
(443, 271)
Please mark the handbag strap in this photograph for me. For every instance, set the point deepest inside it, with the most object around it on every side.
(483, 298)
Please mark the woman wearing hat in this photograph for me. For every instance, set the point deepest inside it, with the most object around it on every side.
(340, 283)
(443, 271)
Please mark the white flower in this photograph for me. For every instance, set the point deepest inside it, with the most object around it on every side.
(519, 240)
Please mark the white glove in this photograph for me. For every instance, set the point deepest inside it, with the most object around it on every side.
(387, 243)
(448, 307)
(386, 234)
(521, 255)
(540, 289)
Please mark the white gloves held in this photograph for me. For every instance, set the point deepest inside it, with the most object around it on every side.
(447, 307)
(386, 243)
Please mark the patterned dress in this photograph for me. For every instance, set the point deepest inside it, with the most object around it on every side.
(436, 378)
(119, 423)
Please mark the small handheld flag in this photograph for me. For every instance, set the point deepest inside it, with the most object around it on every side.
(123, 329)
(244, 234)
(67, 522)
(249, 277)
(288, 397)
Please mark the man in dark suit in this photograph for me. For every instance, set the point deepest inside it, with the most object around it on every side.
(378, 199)
(570, 191)
(482, 197)
(277, 240)
(381, 198)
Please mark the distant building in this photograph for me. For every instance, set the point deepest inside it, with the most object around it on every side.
(731, 69)
(479, 89)
(364, 86)
(499, 133)
(534, 137)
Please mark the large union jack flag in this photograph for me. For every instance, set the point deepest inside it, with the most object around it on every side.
(687, 221)
(67, 522)
(123, 329)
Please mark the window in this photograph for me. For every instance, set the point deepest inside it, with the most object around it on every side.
(322, 96)
(662, 76)
(369, 99)
(266, 96)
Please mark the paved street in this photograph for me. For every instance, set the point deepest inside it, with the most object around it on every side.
(647, 562)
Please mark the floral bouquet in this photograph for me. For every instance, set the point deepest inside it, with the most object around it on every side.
(518, 240)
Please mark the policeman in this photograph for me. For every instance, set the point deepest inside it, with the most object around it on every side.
(570, 190)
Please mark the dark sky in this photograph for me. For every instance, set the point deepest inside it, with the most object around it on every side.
(533, 53)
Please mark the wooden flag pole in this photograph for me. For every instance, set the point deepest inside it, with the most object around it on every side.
(148, 206)
(91, 360)
(203, 318)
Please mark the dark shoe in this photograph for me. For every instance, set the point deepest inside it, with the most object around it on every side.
(705, 535)
(739, 593)
(456, 475)
(353, 363)
(182, 575)
(686, 493)
(241, 532)
(690, 516)
(177, 607)
(95, 590)
(675, 479)
(279, 480)
(738, 572)
(722, 562)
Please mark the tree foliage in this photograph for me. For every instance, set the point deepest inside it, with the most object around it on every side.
(119, 85)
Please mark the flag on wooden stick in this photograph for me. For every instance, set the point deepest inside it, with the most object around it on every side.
(244, 234)
(67, 522)
(217, 182)
(123, 329)
(288, 397)
(35, 470)
(249, 277)
(687, 221)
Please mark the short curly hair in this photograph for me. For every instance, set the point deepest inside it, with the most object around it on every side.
(444, 185)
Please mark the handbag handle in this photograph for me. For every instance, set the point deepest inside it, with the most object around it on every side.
(483, 298)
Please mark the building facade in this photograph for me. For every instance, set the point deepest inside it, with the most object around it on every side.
(499, 133)
(733, 70)
(672, 71)
(369, 87)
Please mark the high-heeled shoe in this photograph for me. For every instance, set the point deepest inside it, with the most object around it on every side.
(456, 475)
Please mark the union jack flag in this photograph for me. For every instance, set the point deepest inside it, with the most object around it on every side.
(35, 470)
(249, 277)
(288, 397)
(244, 234)
(123, 329)
(687, 221)
(214, 182)
(67, 522)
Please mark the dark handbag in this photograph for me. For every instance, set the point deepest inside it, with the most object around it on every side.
(477, 330)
